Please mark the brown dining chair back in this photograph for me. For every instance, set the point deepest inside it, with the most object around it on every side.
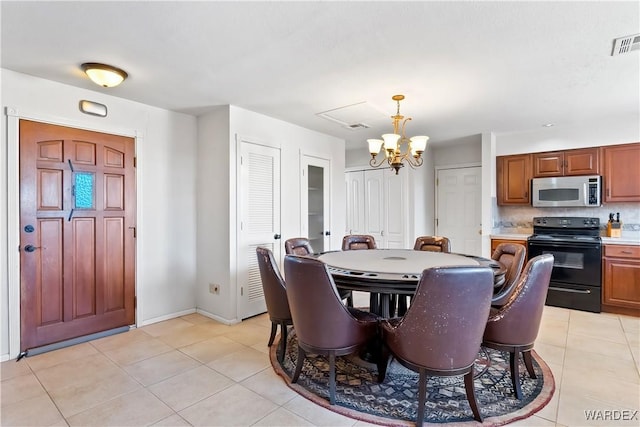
(513, 257)
(352, 242)
(275, 295)
(301, 246)
(514, 326)
(432, 244)
(441, 332)
(323, 325)
(298, 246)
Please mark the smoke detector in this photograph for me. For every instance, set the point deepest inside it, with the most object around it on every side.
(626, 44)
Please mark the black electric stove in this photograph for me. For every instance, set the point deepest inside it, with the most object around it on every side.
(576, 246)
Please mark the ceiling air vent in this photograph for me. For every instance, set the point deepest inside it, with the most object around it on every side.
(626, 44)
(354, 116)
(359, 126)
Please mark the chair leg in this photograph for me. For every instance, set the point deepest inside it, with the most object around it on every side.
(393, 303)
(471, 395)
(515, 375)
(383, 362)
(274, 327)
(402, 305)
(350, 300)
(526, 355)
(283, 341)
(422, 397)
(332, 377)
(374, 302)
(301, 356)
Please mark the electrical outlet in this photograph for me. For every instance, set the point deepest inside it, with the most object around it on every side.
(213, 288)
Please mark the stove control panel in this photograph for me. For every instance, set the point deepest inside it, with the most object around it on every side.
(566, 222)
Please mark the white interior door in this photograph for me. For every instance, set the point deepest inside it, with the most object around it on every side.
(458, 210)
(316, 202)
(355, 202)
(395, 214)
(259, 214)
(374, 205)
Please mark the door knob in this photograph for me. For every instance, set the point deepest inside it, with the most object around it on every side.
(30, 248)
(276, 236)
(327, 233)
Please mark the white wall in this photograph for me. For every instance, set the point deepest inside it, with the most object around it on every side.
(217, 194)
(457, 152)
(608, 131)
(166, 182)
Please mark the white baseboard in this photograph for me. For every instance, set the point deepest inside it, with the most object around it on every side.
(167, 317)
(217, 318)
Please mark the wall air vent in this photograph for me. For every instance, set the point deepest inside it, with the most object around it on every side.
(626, 44)
(354, 116)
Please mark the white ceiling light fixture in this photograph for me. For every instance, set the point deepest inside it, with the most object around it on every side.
(393, 144)
(103, 74)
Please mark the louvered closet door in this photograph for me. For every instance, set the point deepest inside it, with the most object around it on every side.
(259, 213)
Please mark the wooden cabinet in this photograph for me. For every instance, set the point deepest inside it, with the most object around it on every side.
(584, 161)
(621, 279)
(496, 242)
(621, 173)
(513, 177)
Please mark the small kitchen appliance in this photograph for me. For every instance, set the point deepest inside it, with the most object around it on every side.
(566, 191)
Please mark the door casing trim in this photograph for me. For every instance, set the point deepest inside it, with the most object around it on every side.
(13, 208)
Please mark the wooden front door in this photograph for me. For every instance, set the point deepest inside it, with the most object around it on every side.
(77, 231)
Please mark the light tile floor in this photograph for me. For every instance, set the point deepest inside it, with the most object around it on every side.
(195, 371)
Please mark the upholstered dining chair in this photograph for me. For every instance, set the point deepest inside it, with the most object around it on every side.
(514, 326)
(298, 246)
(512, 256)
(433, 244)
(424, 243)
(302, 246)
(322, 323)
(440, 334)
(275, 296)
(358, 241)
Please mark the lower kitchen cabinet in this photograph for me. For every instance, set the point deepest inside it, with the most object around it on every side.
(621, 279)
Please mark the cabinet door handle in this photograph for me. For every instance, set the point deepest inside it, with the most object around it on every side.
(626, 252)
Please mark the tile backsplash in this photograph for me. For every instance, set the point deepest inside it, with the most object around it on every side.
(519, 219)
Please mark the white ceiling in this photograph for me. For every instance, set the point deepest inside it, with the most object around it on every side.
(464, 67)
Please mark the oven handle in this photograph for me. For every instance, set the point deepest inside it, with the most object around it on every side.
(575, 291)
(564, 245)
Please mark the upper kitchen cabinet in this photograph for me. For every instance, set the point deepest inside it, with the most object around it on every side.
(566, 163)
(513, 176)
(621, 173)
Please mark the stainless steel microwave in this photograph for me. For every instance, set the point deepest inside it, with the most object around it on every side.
(566, 191)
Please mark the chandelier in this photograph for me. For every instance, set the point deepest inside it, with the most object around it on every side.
(394, 142)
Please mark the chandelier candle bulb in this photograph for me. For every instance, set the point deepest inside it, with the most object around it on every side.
(393, 144)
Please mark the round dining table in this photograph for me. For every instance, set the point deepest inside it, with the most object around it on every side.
(388, 272)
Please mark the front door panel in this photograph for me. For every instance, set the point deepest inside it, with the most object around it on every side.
(77, 223)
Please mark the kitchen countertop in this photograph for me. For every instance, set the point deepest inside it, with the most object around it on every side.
(631, 239)
(510, 236)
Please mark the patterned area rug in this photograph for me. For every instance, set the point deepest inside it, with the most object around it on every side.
(395, 401)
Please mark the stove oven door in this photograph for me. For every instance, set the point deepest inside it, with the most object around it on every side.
(577, 273)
